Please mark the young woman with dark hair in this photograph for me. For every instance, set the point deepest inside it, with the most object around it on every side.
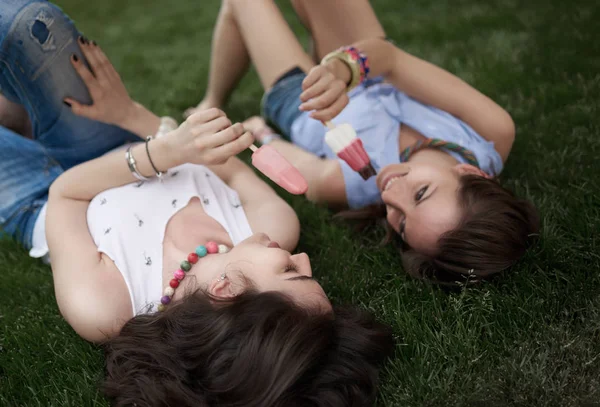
(171, 252)
(438, 143)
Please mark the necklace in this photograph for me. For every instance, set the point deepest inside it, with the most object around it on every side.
(440, 145)
(185, 266)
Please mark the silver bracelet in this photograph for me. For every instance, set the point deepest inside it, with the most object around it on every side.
(133, 167)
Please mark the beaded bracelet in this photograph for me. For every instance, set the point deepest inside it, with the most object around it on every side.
(355, 60)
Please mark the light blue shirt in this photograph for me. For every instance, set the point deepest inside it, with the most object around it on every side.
(376, 111)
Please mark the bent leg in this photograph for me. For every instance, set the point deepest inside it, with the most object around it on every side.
(36, 42)
(26, 173)
(335, 23)
(273, 47)
(229, 61)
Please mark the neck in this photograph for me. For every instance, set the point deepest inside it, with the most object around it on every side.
(207, 268)
(431, 156)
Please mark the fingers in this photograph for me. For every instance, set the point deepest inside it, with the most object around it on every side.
(79, 109)
(205, 116)
(334, 92)
(82, 70)
(332, 111)
(221, 154)
(226, 135)
(315, 90)
(99, 62)
(313, 76)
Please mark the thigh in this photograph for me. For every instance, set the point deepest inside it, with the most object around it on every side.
(35, 70)
(26, 173)
(335, 23)
(273, 47)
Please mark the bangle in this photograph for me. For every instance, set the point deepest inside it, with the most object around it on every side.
(159, 174)
(355, 60)
(133, 165)
(167, 124)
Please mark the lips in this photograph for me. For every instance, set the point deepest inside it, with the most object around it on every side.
(274, 245)
(389, 178)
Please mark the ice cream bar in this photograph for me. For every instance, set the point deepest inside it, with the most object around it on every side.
(343, 141)
(279, 170)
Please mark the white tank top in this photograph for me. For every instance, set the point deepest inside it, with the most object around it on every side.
(128, 224)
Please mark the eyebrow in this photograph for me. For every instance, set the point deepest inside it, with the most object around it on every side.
(299, 278)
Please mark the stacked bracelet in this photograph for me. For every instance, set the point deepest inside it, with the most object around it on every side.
(133, 165)
(355, 60)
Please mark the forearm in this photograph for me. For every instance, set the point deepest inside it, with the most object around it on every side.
(436, 87)
(87, 180)
(324, 176)
(141, 121)
(307, 163)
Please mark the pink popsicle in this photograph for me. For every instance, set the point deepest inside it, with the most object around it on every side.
(271, 163)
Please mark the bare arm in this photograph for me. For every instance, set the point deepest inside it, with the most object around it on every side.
(89, 289)
(267, 212)
(427, 83)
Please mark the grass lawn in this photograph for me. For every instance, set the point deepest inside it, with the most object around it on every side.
(531, 339)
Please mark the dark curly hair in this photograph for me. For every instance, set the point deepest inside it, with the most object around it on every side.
(495, 231)
(257, 349)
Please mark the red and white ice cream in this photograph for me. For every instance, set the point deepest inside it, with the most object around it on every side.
(344, 142)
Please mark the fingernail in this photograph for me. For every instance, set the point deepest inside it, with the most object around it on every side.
(66, 103)
(75, 57)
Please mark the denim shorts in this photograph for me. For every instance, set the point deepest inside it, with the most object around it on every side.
(280, 103)
(36, 42)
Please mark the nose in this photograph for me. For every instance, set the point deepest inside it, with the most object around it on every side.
(260, 238)
(302, 262)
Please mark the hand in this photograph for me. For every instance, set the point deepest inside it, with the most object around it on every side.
(207, 138)
(111, 101)
(324, 93)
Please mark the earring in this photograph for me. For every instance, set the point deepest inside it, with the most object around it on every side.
(222, 278)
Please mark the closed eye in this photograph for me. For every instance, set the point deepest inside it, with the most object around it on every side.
(290, 268)
(300, 278)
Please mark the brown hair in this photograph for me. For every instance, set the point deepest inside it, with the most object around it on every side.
(257, 349)
(495, 231)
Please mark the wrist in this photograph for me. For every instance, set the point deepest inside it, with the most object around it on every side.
(140, 121)
(164, 155)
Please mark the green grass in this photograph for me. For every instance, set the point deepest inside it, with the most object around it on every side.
(531, 339)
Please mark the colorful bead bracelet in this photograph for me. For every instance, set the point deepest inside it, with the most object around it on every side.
(185, 266)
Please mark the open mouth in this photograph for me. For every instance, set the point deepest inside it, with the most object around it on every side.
(389, 181)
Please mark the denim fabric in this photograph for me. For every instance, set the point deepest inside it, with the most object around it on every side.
(280, 104)
(36, 42)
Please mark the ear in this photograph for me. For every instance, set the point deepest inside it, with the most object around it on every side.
(468, 169)
(224, 288)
